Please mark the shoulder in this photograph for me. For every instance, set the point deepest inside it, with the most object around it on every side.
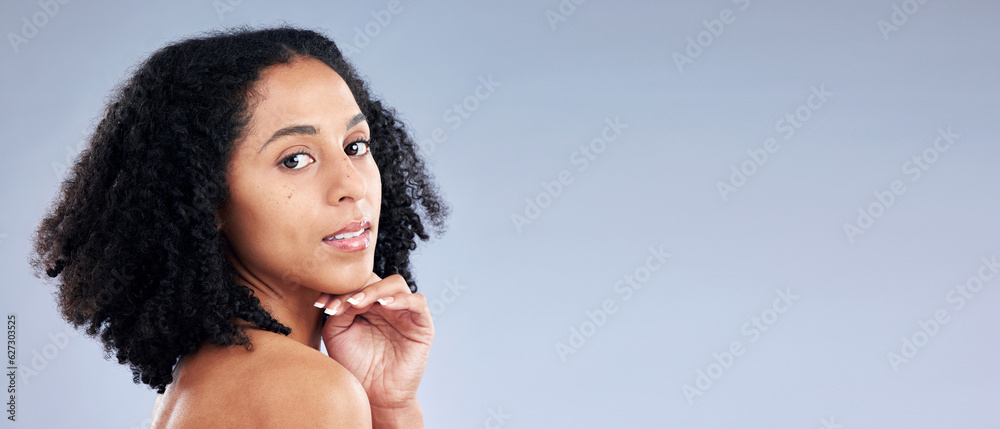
(298, 386)
(280, 383)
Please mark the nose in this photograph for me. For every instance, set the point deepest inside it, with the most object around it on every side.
(346, 182)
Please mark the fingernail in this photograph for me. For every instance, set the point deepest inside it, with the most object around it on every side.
(332, 311)
(385, 300)
(354, 300)
(319, 304)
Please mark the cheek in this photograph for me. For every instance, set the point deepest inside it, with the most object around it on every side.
(261, 221)
(244, 227)
(374, 187)
(377, 187)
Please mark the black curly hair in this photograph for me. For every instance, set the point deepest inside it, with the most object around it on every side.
(132, 237)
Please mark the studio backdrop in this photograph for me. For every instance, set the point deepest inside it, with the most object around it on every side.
(689, 214)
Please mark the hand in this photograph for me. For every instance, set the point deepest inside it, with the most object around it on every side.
(384, 344)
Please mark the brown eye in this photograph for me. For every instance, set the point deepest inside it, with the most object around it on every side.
(296, 161)
(358, 148)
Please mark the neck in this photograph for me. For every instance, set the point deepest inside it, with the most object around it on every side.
(293, 309)
(289, 304)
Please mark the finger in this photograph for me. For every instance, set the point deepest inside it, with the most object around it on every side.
(338, 320)
(329, 304)
(413, 303)
(323, 300)
(332, 304)
(377, 290)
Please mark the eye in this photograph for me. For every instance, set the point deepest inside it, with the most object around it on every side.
(359, 148)
(297, 160)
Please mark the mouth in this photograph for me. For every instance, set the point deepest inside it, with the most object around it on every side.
(352, 230)
(353, 237)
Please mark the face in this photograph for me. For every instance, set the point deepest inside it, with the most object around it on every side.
(301, 173)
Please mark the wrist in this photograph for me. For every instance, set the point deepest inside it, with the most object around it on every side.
(408, 416)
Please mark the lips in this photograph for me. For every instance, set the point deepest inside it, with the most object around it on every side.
(353, 229)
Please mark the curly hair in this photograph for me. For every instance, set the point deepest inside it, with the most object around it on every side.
(132, 237)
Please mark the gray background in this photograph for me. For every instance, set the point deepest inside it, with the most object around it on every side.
(517, 294)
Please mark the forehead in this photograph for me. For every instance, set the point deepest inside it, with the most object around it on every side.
(304, 90)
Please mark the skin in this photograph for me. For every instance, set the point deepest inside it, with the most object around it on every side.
(280, 207)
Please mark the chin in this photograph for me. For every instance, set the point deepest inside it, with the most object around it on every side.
(347, 280)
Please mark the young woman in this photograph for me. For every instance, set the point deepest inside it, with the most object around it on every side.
(244, 196)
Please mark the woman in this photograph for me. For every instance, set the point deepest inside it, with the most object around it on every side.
(243, 197)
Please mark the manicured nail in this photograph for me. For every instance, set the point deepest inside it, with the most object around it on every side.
(332, 311)
(354, 300)
(385, 300)
(319, 304)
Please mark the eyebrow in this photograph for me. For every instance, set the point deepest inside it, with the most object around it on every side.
(355, 120)
(307, 130)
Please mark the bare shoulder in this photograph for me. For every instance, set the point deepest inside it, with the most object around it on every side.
(299, 385)
(280, 383)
